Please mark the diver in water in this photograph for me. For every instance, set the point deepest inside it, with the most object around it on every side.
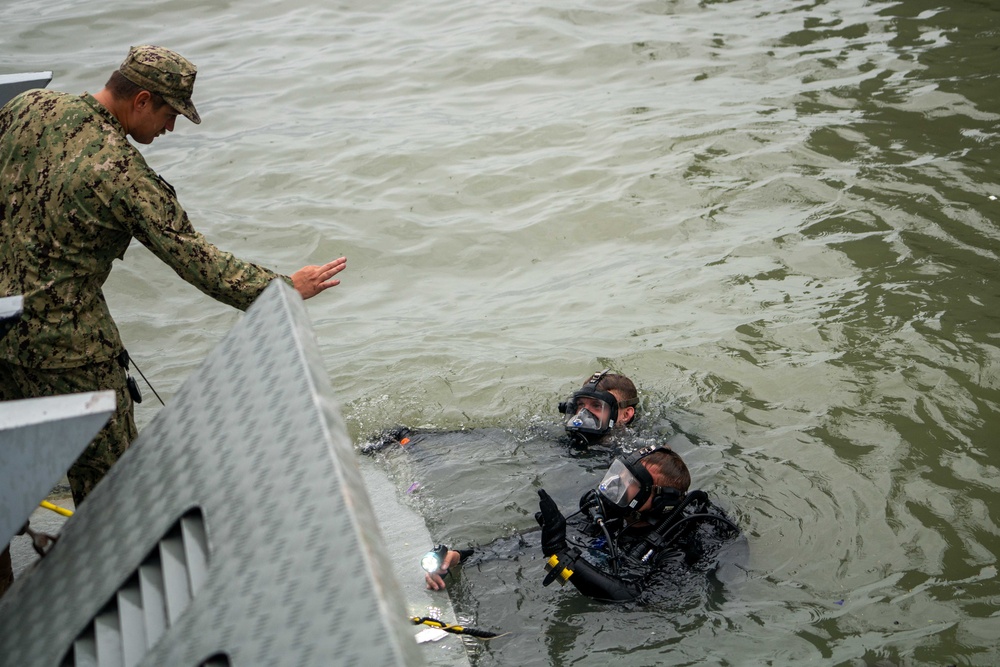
(641, 520)
(596, 416)
(605, 405)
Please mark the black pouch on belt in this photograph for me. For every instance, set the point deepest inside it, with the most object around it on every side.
(133, 386)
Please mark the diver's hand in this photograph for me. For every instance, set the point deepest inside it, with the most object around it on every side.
(589, 499)
(553, 524)
(435, 580)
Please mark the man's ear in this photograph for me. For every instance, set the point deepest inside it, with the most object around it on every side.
(141, 99)
(625, 415)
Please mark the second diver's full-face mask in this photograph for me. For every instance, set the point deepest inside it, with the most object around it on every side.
(590, 413)
(627, 485)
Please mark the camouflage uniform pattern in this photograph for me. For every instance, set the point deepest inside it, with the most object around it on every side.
(164, 72)
(73, 194)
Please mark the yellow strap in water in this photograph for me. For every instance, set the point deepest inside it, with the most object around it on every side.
(55, 508)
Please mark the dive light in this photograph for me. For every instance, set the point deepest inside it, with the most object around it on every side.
(433, 559)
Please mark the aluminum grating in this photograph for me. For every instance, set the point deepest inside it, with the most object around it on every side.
(151, 599)
(296, 572)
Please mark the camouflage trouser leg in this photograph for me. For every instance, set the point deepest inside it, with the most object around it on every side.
(21, 382)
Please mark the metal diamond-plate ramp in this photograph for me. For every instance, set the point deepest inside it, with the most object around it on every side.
(253, 456)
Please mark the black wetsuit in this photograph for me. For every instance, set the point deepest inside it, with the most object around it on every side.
(622, 567)
(615, 570)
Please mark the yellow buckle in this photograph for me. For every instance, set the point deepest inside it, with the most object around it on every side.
(564, 572)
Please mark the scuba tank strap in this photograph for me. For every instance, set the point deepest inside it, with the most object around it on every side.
(657, 538)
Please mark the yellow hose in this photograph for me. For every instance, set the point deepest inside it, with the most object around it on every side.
(55, 508)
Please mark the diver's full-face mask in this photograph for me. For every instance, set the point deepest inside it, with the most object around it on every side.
(590, 413)
(628, 485)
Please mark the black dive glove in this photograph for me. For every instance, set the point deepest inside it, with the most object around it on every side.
(589, 500)
(553, 524)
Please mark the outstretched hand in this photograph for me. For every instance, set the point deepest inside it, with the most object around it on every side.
(435, 580)
(311, 280)
(553, 524)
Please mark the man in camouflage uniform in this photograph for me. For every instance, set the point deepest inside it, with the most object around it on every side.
(73, 194)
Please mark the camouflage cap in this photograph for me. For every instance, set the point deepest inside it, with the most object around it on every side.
(164, 72)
